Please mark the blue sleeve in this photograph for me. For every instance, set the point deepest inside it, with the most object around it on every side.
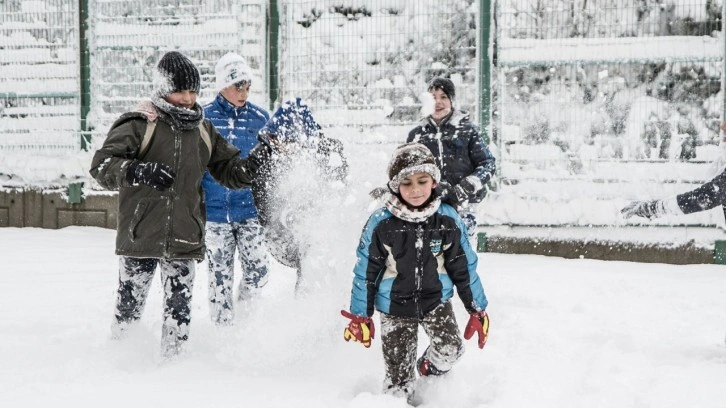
(461, 263)
(370, 263)
(481, 157)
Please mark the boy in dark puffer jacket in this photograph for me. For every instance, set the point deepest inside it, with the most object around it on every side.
(411, 256)
(457, 145)
(156, 157)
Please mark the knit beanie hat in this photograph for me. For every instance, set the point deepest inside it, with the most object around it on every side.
(231, 69)
(408, 159)
(175, 73)
(445, 85)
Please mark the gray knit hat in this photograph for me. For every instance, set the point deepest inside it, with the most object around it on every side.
(175, 73)
(408, 159)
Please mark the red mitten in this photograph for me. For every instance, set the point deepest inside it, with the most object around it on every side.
(479, 323)
(360, 329)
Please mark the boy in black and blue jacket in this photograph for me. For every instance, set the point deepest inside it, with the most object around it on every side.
(412, 254)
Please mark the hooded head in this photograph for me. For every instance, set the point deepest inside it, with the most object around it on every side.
(409, 159)
(231, 69)
(175, 73)
(292, 122)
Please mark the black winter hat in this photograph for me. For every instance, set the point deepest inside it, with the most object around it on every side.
(445, 85)
(176, 73)
(408, 159)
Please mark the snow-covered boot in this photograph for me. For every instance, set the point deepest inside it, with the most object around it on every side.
(426, 368)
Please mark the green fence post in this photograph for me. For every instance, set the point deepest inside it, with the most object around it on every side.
(481, 242)
(719, 252)
(84, 72)
(484, 68)
(75, 193)
(273, 27)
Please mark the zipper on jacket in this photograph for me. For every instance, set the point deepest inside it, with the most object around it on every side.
(418, 280)
(171, 192)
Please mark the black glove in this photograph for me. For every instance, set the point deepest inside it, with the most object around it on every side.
(259, 155)
(156, 175)
(646, 209)
(467, 188)
(378, 192)
(447, 193)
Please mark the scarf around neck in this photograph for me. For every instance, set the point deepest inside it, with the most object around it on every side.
(400, 210)
(182, 117)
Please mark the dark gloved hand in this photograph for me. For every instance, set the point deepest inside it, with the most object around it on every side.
(259, 155)
(447, 193)
(647, 209)
(378, 192)
(360, 329)
(478, 323)
(467, 188)
(159, 176)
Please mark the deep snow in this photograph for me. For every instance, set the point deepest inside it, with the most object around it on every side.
(565, 333)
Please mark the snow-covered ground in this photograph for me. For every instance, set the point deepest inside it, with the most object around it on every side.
(565, 333)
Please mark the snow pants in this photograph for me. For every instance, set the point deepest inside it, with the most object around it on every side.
(222, 239)
(177, 279)
(468, 215)
(399, 342)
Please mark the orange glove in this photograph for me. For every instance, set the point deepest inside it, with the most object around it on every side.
(360, 329)
(479, 323)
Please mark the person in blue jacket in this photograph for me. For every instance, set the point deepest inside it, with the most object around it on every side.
(232, 222)
(412, 254)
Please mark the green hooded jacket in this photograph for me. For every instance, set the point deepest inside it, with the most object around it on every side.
(166, 224)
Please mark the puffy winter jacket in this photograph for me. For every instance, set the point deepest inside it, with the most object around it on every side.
(458, 148)
(239, 126)
(165, 224)
(407, 269)
(705, 197)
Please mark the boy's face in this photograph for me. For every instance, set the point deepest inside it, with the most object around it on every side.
(442, 104)
(182, 99)
(237, 93)
(416, 188)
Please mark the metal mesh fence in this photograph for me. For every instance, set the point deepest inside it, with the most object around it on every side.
(128, 38)
(39, 89)
(375, 58)
(607, 99)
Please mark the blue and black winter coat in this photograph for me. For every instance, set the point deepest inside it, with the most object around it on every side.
(239, 126)
(459, 149)
(409, 268)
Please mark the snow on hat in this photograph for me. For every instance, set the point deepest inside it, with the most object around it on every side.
(292, 122)
(231, 69)
(175, 73)
(408, 159)
(445, 85)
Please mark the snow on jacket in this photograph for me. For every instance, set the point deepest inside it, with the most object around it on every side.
(705, 197)
(239, 126)
(459, 150)
(408, 268)
(165, 224)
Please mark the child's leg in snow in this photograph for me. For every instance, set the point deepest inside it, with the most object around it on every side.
(177, 278)
(446, 344)
(135, 276)
(252, 257)
(399, 337)
(221, 242)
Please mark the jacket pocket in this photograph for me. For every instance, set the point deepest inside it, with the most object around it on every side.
(139, 214)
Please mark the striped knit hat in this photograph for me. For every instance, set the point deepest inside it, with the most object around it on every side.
(408, 159)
